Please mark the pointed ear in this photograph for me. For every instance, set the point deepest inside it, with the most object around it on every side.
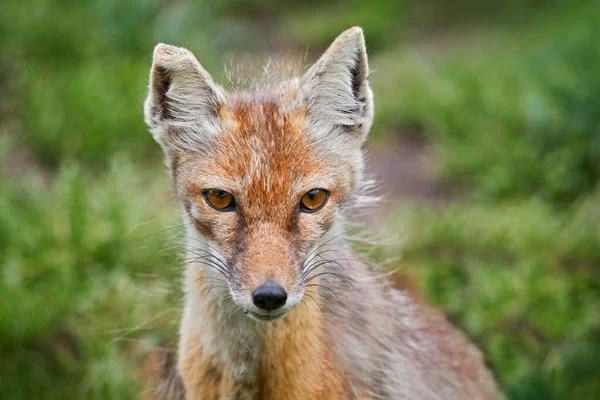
(182, 97)
(336, 89)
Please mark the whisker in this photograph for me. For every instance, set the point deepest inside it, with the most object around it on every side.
(308, 270)
(126, 331)
(329, 290)
(203, 281)
(227, 319)
(344, 254)
(306, 260)
(165, 230)
(211, 278)
(316, 302)
(334, 274)
(202, 261)
(206, 254)
(217, 287)
(324, 262)
(190, 248)
(304, 304)
(207, 244)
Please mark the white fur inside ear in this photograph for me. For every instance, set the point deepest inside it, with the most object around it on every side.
(183, 100)
(336, 89)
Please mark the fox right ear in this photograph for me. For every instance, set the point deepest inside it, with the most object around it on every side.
(336, 88)
(183, 100)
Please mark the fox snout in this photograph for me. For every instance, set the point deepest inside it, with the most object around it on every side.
(269, 297)
(270, 280)
(270, 302)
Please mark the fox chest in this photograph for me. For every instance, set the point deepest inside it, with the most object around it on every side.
(288, 368)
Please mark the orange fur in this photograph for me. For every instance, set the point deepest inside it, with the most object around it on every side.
(204, 375)
(260, 146)
(297, 359)
(292, 367)
(254, 330)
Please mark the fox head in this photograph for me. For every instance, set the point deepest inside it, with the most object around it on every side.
(262, 176)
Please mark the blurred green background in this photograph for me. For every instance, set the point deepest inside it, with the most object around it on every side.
(493, 107)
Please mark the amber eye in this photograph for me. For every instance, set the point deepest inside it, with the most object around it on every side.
(314, 200)
(219, 199)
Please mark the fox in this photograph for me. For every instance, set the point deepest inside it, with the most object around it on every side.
(277, 305)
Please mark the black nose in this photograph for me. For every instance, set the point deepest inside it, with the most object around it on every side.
(269, 296)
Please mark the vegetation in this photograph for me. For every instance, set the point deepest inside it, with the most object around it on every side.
(505, 96)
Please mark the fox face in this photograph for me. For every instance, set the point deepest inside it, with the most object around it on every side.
(262, 177)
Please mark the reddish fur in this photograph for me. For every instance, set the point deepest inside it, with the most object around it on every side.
(310, 371)
(203, 375)
(259, 134)
(267, 151)
(297, 361)
(296, 358)
(260, 129)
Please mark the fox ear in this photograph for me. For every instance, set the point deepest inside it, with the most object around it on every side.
(336, 89)
(182, 98)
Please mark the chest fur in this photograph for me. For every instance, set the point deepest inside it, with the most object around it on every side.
(232, 357)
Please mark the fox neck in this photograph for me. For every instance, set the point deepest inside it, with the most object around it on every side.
(219, 343)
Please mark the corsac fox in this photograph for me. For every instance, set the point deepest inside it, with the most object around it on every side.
(276, 305)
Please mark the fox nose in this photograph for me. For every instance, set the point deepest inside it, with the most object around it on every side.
(269, 297)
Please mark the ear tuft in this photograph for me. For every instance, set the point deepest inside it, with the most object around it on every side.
(336, 88)
(181, 94)
(166, 54)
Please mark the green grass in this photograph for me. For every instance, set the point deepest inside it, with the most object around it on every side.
(522, 279)
(79, 71)
(507, 97)
(85, 291)
(511, 113)
(514, 258)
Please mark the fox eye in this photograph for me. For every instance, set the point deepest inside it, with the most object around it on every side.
(219, 199)
(314, 200)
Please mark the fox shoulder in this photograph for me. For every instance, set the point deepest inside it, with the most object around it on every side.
(160, 370)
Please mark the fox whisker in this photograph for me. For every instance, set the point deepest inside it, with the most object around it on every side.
(217, 287)
(202, 254)
(196, 250)
(208, 256)
(227, 319)
(211, 287)
(208, 245)
(320, 263)
(316, 302)
(152, 235)
(206, 279)
(341, 277)
(208, 263)
(344, 254)
(310, 256)
(327, 289)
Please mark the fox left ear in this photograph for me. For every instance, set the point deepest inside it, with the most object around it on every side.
(336, 88)
(183, 100)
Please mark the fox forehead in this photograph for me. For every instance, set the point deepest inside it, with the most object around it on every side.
(263, 156)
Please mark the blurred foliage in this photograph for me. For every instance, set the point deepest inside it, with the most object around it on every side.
(78, 283)
(520, 120)
(522, 279)
(80, 68)
(505, 93)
